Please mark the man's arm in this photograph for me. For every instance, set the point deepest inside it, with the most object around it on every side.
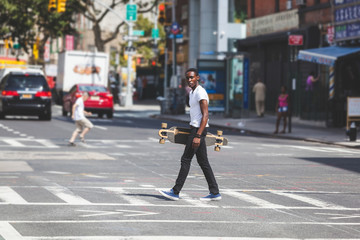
(204, 120)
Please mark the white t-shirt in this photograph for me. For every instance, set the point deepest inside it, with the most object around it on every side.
(195, 112)
(79, 109)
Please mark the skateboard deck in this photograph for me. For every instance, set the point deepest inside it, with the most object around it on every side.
(180, 135)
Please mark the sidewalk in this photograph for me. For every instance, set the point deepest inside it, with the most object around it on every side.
(301, 130)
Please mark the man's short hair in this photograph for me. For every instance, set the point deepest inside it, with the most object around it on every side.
(85, 94)
(192, 70)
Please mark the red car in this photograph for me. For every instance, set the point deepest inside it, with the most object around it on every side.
(100, 100)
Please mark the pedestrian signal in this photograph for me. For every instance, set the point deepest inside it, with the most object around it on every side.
(52, 5)
(162, 15)
(61, 7)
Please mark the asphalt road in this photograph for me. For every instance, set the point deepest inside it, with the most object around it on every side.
(107, 188)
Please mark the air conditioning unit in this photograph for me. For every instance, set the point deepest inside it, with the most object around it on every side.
(300, 2)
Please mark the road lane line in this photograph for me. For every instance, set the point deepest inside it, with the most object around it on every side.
(311, 201)
(8, 232)
(251, 199)
(46, 143)
(122, 193)
(67, 195)
(172, 238)
(8, 195)
(102, 128)
(13, 142)
(196, 202)
(152, 221)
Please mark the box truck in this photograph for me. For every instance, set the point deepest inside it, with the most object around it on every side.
(78, 67)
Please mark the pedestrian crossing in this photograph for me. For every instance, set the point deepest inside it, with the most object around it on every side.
(136, 143)
(149, 196)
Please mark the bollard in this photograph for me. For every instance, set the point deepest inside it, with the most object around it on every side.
(352, 132)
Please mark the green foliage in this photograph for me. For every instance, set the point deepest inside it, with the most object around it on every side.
(24, 20)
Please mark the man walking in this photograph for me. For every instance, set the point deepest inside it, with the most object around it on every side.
(83, 125)
(199, 116)
(259, 89)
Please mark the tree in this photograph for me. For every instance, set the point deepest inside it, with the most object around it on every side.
(96, 14)
(28, 20)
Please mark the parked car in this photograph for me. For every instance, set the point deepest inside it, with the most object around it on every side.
(99, 102)
(24, 92)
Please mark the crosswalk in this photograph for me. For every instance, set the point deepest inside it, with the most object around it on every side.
(149, 196)
(131, 143)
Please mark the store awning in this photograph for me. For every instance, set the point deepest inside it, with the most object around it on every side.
(326, 55)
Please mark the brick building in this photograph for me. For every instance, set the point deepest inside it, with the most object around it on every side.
(269, 26)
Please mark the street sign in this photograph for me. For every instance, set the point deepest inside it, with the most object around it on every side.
(131, 38)
(296, 40)
(131, 12)
(138, 32)
(171, 36)
(130, 50)
(175, 29)
(155, 33)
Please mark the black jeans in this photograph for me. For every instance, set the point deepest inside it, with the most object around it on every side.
(202, 159)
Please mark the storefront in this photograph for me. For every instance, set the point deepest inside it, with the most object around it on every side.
(343, 77)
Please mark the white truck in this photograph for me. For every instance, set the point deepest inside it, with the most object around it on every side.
(78, 67)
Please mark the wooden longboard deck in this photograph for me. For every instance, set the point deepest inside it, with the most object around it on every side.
(180, 135)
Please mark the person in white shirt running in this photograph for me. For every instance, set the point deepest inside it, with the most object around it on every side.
(199, 115)
(83, 125)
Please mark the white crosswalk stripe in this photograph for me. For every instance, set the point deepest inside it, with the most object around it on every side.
(134, 196)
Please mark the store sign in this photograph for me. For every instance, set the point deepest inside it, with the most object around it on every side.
(330, 34)
(272, 23)
(347, 19)
(296, 40)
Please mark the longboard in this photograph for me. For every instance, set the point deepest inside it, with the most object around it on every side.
(179, 135)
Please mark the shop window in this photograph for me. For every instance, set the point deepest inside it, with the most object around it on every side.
(237, 11)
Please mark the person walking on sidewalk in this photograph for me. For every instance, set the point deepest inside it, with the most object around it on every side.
(199, 116)
(83, 125)
(259, 89)
(282, 108)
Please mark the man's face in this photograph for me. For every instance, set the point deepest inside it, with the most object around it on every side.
(192, 79)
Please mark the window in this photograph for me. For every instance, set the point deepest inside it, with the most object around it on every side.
(237, 11)
(277, 6)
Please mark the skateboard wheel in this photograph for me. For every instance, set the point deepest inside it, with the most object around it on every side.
(217, 149)
(219, 132)
(162, 141)
(163, 125)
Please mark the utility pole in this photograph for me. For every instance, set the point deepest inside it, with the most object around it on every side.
(173, 20)
(129, 98)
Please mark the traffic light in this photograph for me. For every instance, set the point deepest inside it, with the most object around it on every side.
(162, 15)
(61, 7)
(52, 5)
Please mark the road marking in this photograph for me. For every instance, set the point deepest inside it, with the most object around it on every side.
(125, 213)
(8, 195)
(56, 172)
(339, 216)
(151, 221)
(102, 128)
(195, 202)
(172, 238)
(316, 149)
(94, 176)
(309, 200)
(8, 232)
(15, 166)
(251, 199)
(13, 143)
(67, 195)
(46, 143)
(64, 156)
(127, 196)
